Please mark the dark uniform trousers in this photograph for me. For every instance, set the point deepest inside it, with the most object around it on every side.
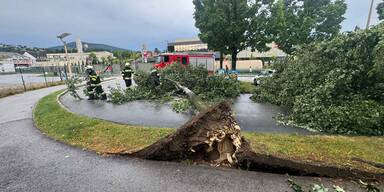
(127, 76)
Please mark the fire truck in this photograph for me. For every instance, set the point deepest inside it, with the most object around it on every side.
(206, 60)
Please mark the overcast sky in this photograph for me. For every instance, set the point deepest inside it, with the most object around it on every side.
(121, 23)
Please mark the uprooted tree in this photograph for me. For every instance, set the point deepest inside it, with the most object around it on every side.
(213, 136)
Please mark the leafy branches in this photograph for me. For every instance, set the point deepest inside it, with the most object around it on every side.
(335, 86)
(209, 88)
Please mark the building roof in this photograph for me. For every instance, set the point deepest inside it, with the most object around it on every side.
(29, 55)
(189, 41)
(12, 55)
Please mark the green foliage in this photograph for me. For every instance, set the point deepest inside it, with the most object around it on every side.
(314, 188)
(380, 10)
(181, 105)
(209, 88)
(247, 87)
(297, 22)
(72, 88)
(93, 58)
(335, 86)
(232, 26)
(125, 56)
(224, 24)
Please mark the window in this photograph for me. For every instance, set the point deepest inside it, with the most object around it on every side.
(184, 61)
(166, 58)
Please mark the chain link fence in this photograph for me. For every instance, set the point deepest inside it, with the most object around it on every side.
(31, 78)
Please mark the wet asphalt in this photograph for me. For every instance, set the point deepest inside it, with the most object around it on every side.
(29, 161)
(251, 116)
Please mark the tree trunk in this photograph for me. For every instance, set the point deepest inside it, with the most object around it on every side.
(262, 63)
(234, 59)
(221, 59)
(195, 100)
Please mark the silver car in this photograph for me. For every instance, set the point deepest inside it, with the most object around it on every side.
(263, 74)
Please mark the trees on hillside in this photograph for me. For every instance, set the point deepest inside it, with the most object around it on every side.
(230, 26)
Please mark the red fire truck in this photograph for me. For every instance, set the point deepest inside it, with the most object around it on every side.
(205, 59)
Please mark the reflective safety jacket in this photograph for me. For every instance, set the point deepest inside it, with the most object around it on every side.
(127, 73)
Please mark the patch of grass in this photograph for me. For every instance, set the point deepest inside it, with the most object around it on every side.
(325, 150)
(106, 137)
(93, 134)
(13, 90)
(247, 87)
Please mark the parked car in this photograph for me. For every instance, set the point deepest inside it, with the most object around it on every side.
(263, 74)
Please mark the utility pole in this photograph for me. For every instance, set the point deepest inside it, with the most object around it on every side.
(61, 37)
(370, 15)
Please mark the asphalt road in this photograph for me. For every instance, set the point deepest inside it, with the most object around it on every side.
(29, 161)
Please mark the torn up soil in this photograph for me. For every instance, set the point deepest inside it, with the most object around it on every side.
(214, 137)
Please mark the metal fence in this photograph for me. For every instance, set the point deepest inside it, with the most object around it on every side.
(29, 78)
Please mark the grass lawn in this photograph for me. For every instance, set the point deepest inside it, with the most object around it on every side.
(12, 90)
(247, 87)
(106, 137)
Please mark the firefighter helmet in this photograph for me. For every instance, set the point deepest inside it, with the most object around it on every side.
(89, 67)
(127, 64)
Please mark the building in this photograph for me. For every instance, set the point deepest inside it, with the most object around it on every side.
(274, 52)
(186, 45)
(59, 59)
(256, 60)
(6, 66)
(9, 59)
(26, 54)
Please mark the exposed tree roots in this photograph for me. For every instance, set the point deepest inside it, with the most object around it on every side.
(214, 137)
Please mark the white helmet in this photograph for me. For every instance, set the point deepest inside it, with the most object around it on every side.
(127, 64)
(89, 67)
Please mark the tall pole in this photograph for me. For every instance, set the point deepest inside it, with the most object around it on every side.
(61, 37)
(370, 15)
(67, 59)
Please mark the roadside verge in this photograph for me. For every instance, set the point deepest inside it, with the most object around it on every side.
(328, 152)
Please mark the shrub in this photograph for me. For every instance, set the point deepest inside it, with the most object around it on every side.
(335, 86)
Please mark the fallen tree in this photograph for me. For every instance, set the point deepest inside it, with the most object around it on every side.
(214, 137)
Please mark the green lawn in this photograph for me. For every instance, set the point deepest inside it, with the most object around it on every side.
(106, 137)
(247, 87)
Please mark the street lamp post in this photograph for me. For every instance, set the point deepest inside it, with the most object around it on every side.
(370, 15)
(61, 37)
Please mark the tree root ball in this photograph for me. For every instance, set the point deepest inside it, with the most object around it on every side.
(212, 136)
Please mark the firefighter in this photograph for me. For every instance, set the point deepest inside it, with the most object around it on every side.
(94, 88)
(127, 74)
(155, 77)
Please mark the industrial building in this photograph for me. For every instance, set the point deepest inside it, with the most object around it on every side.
(10, 60)
(187, 45)
(59, 59)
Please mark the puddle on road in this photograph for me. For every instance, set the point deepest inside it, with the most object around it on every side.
(251, 116)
